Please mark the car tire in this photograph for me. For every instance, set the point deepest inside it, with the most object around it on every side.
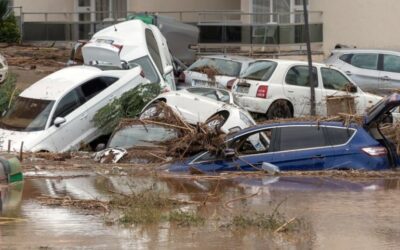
(278, 110)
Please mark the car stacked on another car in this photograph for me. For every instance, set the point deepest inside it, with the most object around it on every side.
(377, 71)
(203, 105)
(134, 43)
(3, 69)
(215, 71)
(280, 89)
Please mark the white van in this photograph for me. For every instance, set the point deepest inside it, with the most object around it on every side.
(55, 113)
(134, 43)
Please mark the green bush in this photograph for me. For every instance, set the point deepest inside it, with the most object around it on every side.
(128, 105)
(9, 30)
(8, 92)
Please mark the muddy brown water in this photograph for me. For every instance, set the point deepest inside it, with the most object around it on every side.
(339, 213)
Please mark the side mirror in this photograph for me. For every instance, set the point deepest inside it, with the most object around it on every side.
(100, 147)
(229, 153)
(351, 88)
(58, 121)
(168, 69)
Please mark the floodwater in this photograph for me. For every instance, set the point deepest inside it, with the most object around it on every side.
(338, 213)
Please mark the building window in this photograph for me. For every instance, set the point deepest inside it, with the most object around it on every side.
(277, 11)
(110, 9)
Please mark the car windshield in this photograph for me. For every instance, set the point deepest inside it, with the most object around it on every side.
(219, 66)
(141, 135)
(260, 71)
(215, 94)
(27, 115)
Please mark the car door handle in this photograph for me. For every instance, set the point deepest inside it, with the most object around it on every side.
(385, 78)
(290, 91)
(348, 73)
(318, 156)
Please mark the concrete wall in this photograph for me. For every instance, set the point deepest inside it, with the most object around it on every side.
(363, 23)
(45, 6)
(183, 5)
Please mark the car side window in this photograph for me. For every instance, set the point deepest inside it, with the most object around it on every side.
(391, 63)
(95, 86)
(333, 79)
(365, 61)
(346, 57)
(147, 67)
(299, 137)
(298, 75)
(255, 143)
(153, 49)
(339, 136)
(67, 104)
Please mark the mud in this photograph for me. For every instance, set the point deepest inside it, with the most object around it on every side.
(65, 204)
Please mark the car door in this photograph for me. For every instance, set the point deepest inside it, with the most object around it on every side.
(336, 83)
(390, 75)
(363, 69)
(63, 136)
(301, 147)
(297, 90)
(344, 153)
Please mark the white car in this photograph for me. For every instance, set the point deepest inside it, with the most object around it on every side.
(280, 89)
(55, 114)
(222, 71)
(134, 43)
(197, 108)
(3, 69)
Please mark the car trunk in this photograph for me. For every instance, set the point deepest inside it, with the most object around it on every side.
(101, 53)
(375, 122)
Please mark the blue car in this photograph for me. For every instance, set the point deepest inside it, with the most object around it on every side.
(305, 146)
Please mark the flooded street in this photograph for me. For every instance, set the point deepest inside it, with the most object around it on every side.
(335, 213)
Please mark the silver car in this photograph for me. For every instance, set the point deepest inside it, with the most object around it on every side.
(377, 71)
(215, 71)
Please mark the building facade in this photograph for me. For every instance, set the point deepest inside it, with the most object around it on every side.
(361, 23)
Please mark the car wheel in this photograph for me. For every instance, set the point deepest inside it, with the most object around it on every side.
(279, 109)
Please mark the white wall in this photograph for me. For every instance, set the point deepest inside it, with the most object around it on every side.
(363, 23)
(46, 6)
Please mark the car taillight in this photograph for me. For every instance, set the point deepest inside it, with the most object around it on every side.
(230, 83)
(118, 46)
(375, 151)
(182, 77)
(142, 74)
(262, 91)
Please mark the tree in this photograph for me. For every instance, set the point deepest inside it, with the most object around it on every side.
(9, 30)
(4, 10)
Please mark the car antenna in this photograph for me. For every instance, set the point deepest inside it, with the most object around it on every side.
(115, 28)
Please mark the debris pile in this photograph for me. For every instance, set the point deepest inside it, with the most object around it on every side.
(67, 201)
(340, 104)
(209, 71)
(392, 132)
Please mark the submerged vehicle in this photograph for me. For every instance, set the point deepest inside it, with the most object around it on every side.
(305, 146)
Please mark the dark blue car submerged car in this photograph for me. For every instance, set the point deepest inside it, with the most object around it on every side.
(306, 146)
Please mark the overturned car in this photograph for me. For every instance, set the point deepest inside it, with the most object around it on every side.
(307, 146)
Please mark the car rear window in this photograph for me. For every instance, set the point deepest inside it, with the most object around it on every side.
(339, 136)
(299, 137)
(260, 71)
(346, 57)
(219, 66)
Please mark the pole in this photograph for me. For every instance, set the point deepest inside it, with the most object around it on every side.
(311, 80)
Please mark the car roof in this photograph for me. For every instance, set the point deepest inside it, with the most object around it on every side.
(231, 57)
(56, 84)
(380, 51)
(285, 124)
(291, 62)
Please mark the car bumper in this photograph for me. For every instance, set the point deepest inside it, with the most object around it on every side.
(253, 104)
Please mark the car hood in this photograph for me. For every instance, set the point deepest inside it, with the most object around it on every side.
(30, 139)
(379, 109)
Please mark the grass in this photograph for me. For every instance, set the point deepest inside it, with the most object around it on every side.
(151, 206)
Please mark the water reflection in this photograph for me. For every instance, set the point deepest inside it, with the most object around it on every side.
(341, 213)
